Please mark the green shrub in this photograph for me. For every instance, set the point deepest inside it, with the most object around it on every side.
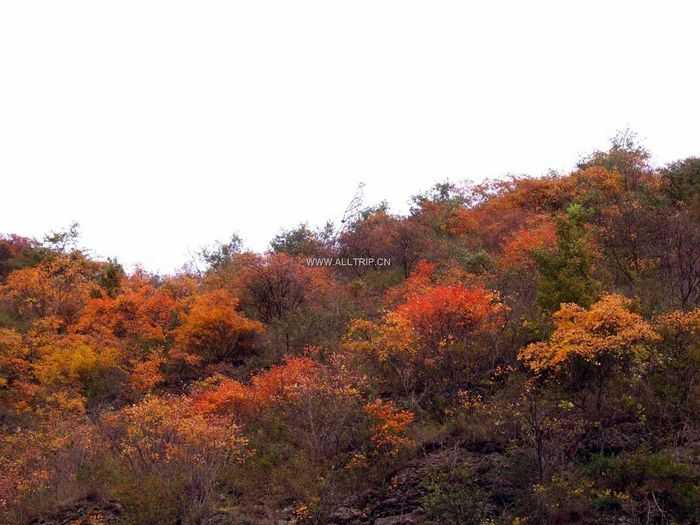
(672, 486)
(454, 498)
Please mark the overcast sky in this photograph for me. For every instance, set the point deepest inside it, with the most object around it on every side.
(163, 126)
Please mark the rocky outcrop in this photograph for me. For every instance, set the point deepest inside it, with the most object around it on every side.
(86, 512)
(398, 502)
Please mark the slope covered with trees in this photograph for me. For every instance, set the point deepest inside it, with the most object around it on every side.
(530, 355)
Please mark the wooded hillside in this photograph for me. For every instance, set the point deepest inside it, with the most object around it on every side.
(531, 354)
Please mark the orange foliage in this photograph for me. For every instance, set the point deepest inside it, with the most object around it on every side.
(420, 279)
(13, 356)
(607, 329)
(43, 464)
(596, 181)
(431, 319)
(295, 377)
(678, 324)
(288, 380)
(393, 336)
(505, 205)
(388, 426)
(538, 233)
(445, 213)
(429, 339)
(15, 370)
(227, 397)
(462, 221)
(213, 330)
(141, 314)
(163, 438)
(162, 430)
(444, 314)
(57, 287)
(147, 374)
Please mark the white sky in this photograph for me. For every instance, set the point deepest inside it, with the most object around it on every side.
(162, 126)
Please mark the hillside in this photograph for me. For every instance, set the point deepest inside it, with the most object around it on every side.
(522, 350)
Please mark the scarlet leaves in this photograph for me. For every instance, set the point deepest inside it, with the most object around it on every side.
(537, 234)
(430, 342)
(389, 425)
(442, 315)
(297, 376)
(432, 318)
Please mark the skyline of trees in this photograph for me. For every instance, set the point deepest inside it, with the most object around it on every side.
(545, 325)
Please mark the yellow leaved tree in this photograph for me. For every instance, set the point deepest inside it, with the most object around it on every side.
(588, 345)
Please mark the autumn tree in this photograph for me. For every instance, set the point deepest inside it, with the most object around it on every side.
(444, 315)
(306, 395)
(15, 373)
(626, 156)
(170, 458)
(388, 426)
(77, 374)
(213, 330)
(59, 286)
(308, 424)
(431, 341)
(538, 234)
(440, 208)
(372, 234)
(277, 285)
(589, 345)
(300, 305)
(141, 314)
(45, 465)
(17, 252)
(675, 377)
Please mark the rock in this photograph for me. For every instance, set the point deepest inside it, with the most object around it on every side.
(412, 518)
(86, 512)
(399, 500)
(346, 516)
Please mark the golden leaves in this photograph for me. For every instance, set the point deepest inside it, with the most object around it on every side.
(214, 330)
(609, 327)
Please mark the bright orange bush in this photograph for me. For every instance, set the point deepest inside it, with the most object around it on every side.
(141, 314)
(227, 396)
(57, 287)
(147, 374)
(445, 314)
(214, 331)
